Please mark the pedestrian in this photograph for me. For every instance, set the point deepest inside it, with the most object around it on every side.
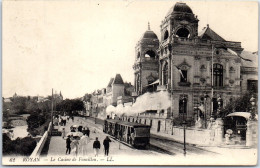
(106, 145)
(84, 140)
(96, 146)
(68, 142)
(75, 146)
(80, 128)
(87, 131)
(63, 133)
(84, 131)
(72, 118)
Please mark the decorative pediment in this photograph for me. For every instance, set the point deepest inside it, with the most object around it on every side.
(184, 65)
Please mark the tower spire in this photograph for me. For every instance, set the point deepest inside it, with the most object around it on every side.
(148, 25)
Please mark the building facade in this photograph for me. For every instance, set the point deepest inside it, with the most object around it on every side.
(196, 68)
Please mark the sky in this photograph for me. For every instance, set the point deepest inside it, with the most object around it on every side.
(76, 46)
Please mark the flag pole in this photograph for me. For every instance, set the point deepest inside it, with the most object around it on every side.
(212, 80)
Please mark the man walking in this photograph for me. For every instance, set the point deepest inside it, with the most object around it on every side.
(106, 145)
(68, 142)
(96, 146)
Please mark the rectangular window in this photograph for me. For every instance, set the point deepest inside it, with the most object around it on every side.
(252, 85)
(183, 76)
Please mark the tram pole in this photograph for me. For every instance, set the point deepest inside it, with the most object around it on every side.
(184, 128)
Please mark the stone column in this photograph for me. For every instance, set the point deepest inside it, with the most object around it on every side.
(208, 78)
(237, 83)
(251, 134)
(196, 69)
(227, 72)
(169, 72)
(160, 73)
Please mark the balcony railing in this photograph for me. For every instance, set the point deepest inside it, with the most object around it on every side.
(186, 84)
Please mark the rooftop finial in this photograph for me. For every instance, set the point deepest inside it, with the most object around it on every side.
(148, 25)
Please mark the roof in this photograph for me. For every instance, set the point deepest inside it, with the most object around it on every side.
(132, 124)
(149, 35)
(209, 34)
(110, 82)
(246, 115)
(251, 56)
(118, 79)
(180, 7)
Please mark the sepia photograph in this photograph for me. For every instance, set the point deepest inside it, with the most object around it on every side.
(129, 83)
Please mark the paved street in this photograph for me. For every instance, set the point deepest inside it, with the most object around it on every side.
(58, 145)
(166, 149)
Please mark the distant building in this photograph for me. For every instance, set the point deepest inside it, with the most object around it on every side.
(114, 89)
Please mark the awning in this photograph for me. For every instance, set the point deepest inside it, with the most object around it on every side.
(246, 115)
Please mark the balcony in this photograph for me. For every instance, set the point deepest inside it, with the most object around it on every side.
(184, 84)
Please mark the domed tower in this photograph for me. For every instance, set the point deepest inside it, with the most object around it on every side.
(146, 61)
(180, 23)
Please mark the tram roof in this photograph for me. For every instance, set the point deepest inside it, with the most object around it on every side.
(132, 124)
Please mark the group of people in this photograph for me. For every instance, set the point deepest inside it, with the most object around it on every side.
(78, 145)
(96, 146)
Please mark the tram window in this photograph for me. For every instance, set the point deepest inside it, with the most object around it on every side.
(133, 120)
(140, 121)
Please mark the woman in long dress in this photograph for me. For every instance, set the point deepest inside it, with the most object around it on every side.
(63, 133)
(75, 146)
(84, 140)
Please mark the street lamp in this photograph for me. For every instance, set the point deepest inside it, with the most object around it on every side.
(253, 102)
(184, 126)
(219, 100)
(205, 109)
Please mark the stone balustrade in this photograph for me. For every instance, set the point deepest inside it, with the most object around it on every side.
(38, 149)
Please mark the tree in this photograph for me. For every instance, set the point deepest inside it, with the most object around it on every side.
(241, 104)
(70, 105)
(23, 146)
(19, 104)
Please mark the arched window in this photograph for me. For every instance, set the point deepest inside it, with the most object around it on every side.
(149, 54)
(217, 75)
(183, 32)
(165, 74)
(166, 35)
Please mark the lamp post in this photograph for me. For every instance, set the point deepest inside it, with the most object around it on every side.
(184, 126)
(219, 100)
(205, 112)
(253, 102)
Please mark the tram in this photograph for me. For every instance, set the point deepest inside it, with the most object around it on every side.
(135, 134)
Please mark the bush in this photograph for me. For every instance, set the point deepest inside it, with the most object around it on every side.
(35, 121)
(24, 146)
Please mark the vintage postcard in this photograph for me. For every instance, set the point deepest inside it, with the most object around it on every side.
(154, 82)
